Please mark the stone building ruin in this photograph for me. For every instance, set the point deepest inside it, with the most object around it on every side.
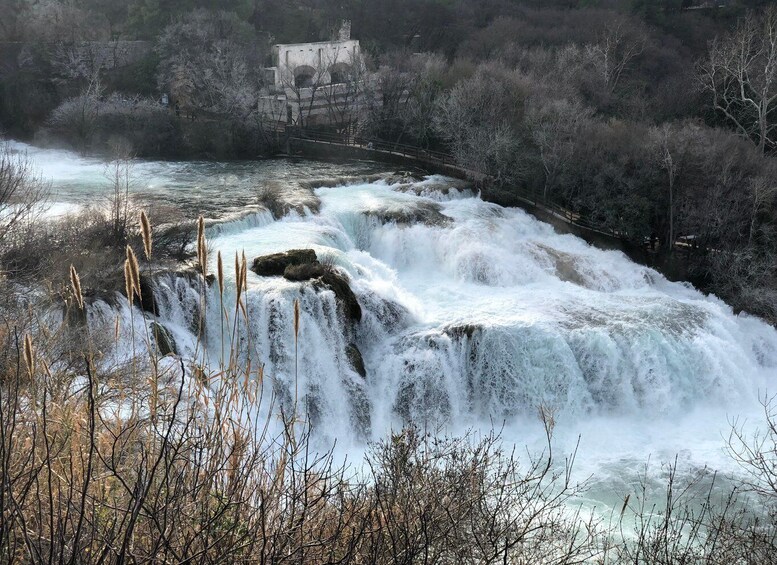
(315, 83)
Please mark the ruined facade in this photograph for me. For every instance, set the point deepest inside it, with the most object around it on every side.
(315, 83)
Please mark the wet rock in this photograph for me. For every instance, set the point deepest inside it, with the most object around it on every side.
(282, 198)
(341, 181)
(566, 270)
(75, 317)
(359, 407)
(402, 177)
(427, 213)
(419, 400)
(461, 330)
(147, 298)
(305, 272)
(338, 283)
(355, 359)
(275, 264)
(390, 314)
(301, 265)
(165, 342)
(565, 265)
(148, 284)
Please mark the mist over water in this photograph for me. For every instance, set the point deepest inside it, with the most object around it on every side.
(473, 316)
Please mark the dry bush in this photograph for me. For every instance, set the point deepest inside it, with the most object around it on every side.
(443, 500)
(22, 192)
(93, 240)
(703, 521)
(270, 195)
(92, 119)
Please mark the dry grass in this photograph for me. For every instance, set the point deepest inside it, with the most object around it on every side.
(42, 254)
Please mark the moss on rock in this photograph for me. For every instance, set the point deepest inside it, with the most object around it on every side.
(165, 342)
(355, 359)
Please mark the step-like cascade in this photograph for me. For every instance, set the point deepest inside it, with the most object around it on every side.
(469, 313)
(421, 303)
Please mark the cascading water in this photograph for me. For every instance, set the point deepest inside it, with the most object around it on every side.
(473, 315)
(489, 313)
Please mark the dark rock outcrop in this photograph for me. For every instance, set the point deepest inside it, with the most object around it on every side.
(274, 265)
(461, 330)
(301, 265)
(147, 299)
(402, 177)
(566, 266)
(355, 359)
(427, 213)
(164, 340)
(337, 283)
(305, 272)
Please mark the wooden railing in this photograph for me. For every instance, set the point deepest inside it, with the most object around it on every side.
(409, 151)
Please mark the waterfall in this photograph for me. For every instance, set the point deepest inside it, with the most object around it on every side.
(474, 313)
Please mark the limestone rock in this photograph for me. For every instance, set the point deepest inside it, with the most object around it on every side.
(275, 264)
(337, 283)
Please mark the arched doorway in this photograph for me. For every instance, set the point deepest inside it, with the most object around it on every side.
(340, 73)
(304, 76)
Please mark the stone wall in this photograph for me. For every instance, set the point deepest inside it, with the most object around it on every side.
(318, 60)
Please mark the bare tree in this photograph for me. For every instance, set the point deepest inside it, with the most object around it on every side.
(12, 22)
(402, 100)
(81, 61)
(763, 191)
(344, 94)
(120, 174)
(62, 21)
(22, 191)
(614, 51)
(226, 84)
(385, 97)
(78, 115)
(555, 125)
(481, 119)
(756, 452)
(668, 163)
(741, 74)
(669, 147)
(204, 61)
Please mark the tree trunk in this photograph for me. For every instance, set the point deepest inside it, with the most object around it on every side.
(671, 215)
(762, 126)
